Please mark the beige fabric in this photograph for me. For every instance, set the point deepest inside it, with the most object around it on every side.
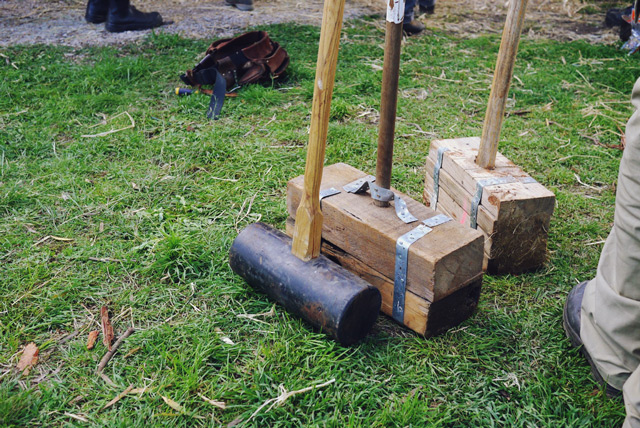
(631, 393)
(610, 318)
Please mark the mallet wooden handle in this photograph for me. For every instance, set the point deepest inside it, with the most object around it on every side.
(501, 82)
(308, 229)
(388, 105)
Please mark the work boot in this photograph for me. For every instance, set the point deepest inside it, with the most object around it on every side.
(244, 5)
(427, 10)
(124, 17)
(571, 324)
(614, 18)
(413, 27)
(97, 11)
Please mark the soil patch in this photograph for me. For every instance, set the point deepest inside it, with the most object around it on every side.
(62, 22)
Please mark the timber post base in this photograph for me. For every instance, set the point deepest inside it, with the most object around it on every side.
(444, 273)
(513, 213)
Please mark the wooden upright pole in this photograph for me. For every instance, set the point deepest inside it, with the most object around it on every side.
(308, 228)
(501, 82)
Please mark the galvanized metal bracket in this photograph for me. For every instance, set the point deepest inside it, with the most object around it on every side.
(402, 211)
(481, 184)
(436, 177)
(363, 184)
(326, 193)
(402, 261)
(360, 185)
(402, 258)
(380, 193)
(436, 220)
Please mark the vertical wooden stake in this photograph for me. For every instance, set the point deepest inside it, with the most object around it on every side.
(501, 82)
(308, 228)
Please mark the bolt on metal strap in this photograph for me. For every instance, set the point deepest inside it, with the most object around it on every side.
(436, 177)
(481, 184)
(367, 183)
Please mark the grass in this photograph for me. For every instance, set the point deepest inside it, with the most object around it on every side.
(149, 214)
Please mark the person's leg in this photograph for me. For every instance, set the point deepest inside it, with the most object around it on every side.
(427, 6)
(97, 11)
(124, 17)
(631, 391)
(610, 319)
(410, 25)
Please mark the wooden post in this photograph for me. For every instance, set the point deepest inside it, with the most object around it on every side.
(500, 86)
(308, 229)
(389, 99)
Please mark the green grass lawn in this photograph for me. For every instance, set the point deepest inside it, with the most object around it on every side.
(148, 215)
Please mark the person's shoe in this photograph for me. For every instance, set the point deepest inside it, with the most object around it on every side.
(426, 10)
(124, 17)
(413, 27)
(614, 18)
(244, 5)
(571, 324)
(97, 11)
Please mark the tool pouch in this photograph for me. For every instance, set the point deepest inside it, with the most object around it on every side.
(228, 63)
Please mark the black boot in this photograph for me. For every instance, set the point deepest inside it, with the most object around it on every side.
(97, 11)
(124, 17)
(571, 323)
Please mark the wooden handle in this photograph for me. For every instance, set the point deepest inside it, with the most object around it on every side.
(308, 229)
(501, 82)
(388, 106)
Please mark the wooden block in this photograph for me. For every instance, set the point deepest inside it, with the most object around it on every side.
(443, 261)
(514, 217)
(421, 315)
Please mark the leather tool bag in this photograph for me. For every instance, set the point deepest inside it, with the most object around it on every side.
(249, 58)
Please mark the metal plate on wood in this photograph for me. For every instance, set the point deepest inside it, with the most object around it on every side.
(380, 193)
(326, 193)
(481, 184)
(360, 185)
(402, 211)
(402, 258)
(436, 177)
(436, 220)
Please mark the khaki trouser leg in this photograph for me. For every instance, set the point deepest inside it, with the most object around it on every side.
(610, 319)
(631, 393)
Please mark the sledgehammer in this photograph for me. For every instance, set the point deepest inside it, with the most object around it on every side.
(293, 272)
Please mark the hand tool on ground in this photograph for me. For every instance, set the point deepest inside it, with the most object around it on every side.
(292, 272)
(429, 272)
(468, 179)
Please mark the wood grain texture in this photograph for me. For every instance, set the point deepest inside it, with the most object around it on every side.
(501, 83)
(422, 316)
(444, 260)
(307, 235)
(513, 217)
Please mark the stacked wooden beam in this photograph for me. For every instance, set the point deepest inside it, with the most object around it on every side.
(444, 274)
(513, 212)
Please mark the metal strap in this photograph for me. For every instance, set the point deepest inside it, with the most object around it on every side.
(436, 177)
(360, 185)
(380, 193)
(327, 193)
(402, 257)
(436, 220)
(402, 211)
(402, 261)
(481, 184)
(363, 184)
